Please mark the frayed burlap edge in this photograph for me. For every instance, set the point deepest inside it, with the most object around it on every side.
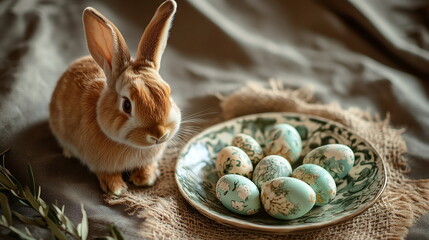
(166, 215)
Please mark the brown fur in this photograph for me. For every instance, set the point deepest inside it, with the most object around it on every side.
(150, 54)
(111, 182)
(144, 176)
(85, 110)
(80, 128)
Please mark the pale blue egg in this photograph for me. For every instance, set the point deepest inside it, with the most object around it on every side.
(337, 159)
(270, 167)
(287, 198)
(233, 160)
(284, 140)
(319, 180)
(238, 194)
(250, 146)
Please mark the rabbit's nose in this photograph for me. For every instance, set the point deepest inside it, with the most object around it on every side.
(154, 140)
(165, 136)
(151, 139)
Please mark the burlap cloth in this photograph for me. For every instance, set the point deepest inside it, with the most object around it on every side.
(165, 214)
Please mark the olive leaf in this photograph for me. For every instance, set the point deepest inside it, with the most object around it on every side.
(32, 181)
(7, 213)
(67, 223)
(49, 217)
(115, 234)
(29, 220)
(82, 228)
(55, 229)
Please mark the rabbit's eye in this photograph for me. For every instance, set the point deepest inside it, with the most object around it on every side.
(126, 105)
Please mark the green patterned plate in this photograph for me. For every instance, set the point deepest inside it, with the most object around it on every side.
(196, 174)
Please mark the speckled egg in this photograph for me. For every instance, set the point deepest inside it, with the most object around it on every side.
(319, 180)
(233, 160)
(238, 194)
(284, 140)
(287, 198)
(250, 146)
(270, 167)
(337, 159)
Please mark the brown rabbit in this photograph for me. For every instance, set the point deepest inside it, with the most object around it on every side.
(112, 112)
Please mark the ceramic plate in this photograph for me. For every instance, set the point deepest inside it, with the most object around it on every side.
(196, 174)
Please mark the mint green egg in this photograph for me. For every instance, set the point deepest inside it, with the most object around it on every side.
(250, 146)
(337, 159)
(270, 167)
(233, 160)
(287, 198)
(319, 180)
(238, 194)
(284, 140)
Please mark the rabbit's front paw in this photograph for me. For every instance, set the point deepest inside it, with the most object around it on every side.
(112, 183)
(145, 176)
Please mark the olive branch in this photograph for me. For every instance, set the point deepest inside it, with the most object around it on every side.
(50, 217)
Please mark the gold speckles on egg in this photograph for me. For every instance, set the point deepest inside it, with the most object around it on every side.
(312, 198)
(319, 199)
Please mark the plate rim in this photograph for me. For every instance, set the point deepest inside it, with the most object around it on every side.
(244, 225)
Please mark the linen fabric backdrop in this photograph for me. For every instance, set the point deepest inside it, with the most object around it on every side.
(360, 53)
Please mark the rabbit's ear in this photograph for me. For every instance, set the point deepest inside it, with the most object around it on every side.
(105, 43)
(154, 38)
